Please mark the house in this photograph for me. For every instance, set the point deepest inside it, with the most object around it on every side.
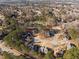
(59, 39)
(57, 43)
(14, 15)
(42, 40)
(41, 35)
(38, 12)
(2, 17)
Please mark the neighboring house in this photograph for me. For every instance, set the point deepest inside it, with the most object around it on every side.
(2, 22)
(1, 33)
(2, 17)
(38, 13)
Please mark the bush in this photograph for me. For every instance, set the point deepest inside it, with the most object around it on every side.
(13, 40)
(72, 54)
(11, 56)
(49, 55)
(73, 33)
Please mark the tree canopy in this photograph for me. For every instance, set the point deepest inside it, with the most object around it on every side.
(73, 33)
(11, 56)
(49, 55)
(72, 54)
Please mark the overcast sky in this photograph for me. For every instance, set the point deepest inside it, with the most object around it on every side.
(17, 0)
(38, 0)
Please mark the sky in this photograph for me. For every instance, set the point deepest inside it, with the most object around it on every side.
(16, 0)
(38, 0)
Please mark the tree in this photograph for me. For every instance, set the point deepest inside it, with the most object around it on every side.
(11, 56)
(21, 57)
(49, 55)
(73, 33)
(72, 54)
(24, 48)
(59, 58)
(12, 38)
(7, 56)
